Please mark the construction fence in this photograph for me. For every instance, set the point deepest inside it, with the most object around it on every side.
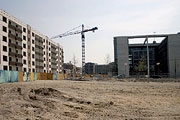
(18, 76)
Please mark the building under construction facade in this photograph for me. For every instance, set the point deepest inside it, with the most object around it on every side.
(164, 57)
(24, 49)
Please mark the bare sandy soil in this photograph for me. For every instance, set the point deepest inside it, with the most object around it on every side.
(90, 100)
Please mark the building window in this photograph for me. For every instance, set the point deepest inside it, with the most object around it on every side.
(9, 40)
(29, 32)
(4, 67)
(9, 49)
(32, 48)
(16, 35)
(32, 41)
(4, 58)
(17, 51)
(49, 49)
(4, 29)
(49, 43)
(9, 31)
(24, 37)
(10, 59)
(24, 61)
(24, 69)
(24, 53)
(33, 70)
(32, 62)
(10, 22)
(5, 19)
(49, 54)
(44, 59)
(32, 55)
(44, 52)
(16, 60)
(16, 68)
(24, 29)
(5, 48)
(44, 40)
(4, 38)
(44, 71)
(24, 45)
(44, 65)
(10, 67)
(32, 34)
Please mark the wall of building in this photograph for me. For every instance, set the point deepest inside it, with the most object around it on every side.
(174, 55)
(122, 55)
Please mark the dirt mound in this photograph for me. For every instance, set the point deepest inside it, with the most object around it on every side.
(46, 92)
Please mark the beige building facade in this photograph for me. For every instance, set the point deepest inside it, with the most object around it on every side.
(24, 49)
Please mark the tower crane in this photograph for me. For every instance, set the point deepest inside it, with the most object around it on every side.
(71, 32)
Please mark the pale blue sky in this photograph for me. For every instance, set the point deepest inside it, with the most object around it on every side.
(112, 17)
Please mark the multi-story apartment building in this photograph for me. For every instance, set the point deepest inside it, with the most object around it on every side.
(24, 49)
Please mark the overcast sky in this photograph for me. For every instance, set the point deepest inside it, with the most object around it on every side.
(112, 17)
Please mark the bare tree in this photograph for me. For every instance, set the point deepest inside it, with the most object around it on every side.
(107, 59)
(74, 62)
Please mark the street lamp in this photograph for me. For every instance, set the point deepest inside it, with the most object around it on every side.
(148, 71)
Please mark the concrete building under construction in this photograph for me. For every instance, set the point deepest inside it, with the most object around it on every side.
(164, 57)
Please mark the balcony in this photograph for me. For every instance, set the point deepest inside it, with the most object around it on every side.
(15, 46)
(11, 35)
(15, 28)
(40, 67)
(15, 63)
(11, 26)
(54, 52)
(39, 46)
(18, 30)
(39, 60)
(15, 54)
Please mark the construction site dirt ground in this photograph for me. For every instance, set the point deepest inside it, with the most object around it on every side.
(89, 100)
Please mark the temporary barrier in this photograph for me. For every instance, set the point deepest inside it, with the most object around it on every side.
(15, 76)
(60, 76)
(26, 76)
(49, 76)
(8, 76)
(20, 76)
(43, 76)
(38, 76)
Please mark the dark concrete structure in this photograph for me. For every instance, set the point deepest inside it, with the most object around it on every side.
(166, 54)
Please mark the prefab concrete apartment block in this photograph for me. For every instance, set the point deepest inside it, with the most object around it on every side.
(22, 48)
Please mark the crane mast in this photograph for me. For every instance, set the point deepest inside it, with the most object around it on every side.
(83, 50)
(83, 41)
